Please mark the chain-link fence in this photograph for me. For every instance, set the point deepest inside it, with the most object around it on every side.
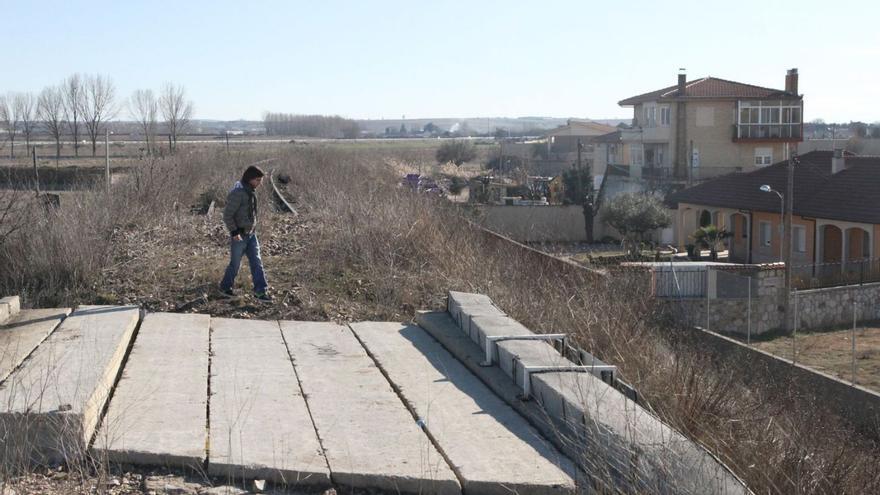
(835, 329)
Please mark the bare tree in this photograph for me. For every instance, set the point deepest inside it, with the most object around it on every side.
(144, 109)
(176, 110)
(25, 108)
(72, 89)
(50, 109)
(98, 106)
(9, 119)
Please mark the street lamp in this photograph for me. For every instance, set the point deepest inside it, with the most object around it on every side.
(766, 188)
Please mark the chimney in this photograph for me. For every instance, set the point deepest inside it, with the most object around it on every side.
(791, 81)
(682, 82)
(838, 162)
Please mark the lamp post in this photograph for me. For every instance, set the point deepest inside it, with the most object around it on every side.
(767, 189)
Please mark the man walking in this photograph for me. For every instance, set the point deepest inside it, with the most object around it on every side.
(240, 217)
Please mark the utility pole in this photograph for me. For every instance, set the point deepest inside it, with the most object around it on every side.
(586, 197)
(36, 173)
(787, 234)
(227, 141)
(107, 157)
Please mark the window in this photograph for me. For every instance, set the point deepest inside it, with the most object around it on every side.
(765, 233)
(650, 116)
(800, 238)
(763, 156)
(769, 119)
(635, 156)
(664, 115)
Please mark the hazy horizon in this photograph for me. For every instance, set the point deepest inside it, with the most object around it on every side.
(394, 59)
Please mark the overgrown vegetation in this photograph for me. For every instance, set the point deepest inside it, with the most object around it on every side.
(364, 248)
(634, 215)
(457, 151)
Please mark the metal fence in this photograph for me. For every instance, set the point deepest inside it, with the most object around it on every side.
(821, 275)
(671, 281)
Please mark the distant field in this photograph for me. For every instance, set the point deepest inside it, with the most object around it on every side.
(831, 352)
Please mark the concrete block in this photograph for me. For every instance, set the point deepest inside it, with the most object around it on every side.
(462, 306)
(53, 401)
(23, 333)
(260, 424)
(493, 448)
(618, 444)
(158, 414)
(481, 326)
(354, 408)
(10, 306)
(514, 354)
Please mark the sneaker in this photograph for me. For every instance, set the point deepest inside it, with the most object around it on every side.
(227, 292)
(263, 297)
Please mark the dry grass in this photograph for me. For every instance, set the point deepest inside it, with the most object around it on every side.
(831, 351)
(365, 249)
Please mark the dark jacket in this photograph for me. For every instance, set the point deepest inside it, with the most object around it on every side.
(240, 214)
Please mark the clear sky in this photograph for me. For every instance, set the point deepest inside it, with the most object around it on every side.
(365, 59)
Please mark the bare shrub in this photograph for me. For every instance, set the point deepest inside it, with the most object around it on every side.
(409, 249)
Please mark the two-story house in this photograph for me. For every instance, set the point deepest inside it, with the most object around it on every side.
(709, 127)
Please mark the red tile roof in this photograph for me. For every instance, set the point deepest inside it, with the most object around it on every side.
(710, 87)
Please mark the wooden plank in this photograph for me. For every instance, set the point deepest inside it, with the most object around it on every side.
(370, 439)
(158, 415)
(260, 425)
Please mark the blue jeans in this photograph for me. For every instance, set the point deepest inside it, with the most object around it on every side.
(250, 246)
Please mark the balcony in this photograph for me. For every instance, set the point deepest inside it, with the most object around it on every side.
(768, 132)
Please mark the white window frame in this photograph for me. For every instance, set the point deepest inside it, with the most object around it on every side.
(665, 116)
(637, 155)
(762, 159)
(770, 119)
(799, 238)
(765, 227)
(650, 112)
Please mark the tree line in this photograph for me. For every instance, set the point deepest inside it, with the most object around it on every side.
(80, 107)
(321, 126)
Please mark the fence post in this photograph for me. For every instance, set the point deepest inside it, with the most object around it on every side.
(708, 270)
(794, 333)
(749, 325)
(854, 342)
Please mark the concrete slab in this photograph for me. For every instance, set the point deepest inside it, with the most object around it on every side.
(493, 449)
(158, 415)
(443, 328)
(52, 403)
(369, 437)
(22, 333)
(260, 425)
(616, 442)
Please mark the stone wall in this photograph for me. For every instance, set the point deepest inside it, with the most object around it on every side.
(822, 308)
(815, 308)
(729, 310)
(857, 405)
(535, 223)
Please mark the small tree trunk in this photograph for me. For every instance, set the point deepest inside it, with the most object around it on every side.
(588, 221)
